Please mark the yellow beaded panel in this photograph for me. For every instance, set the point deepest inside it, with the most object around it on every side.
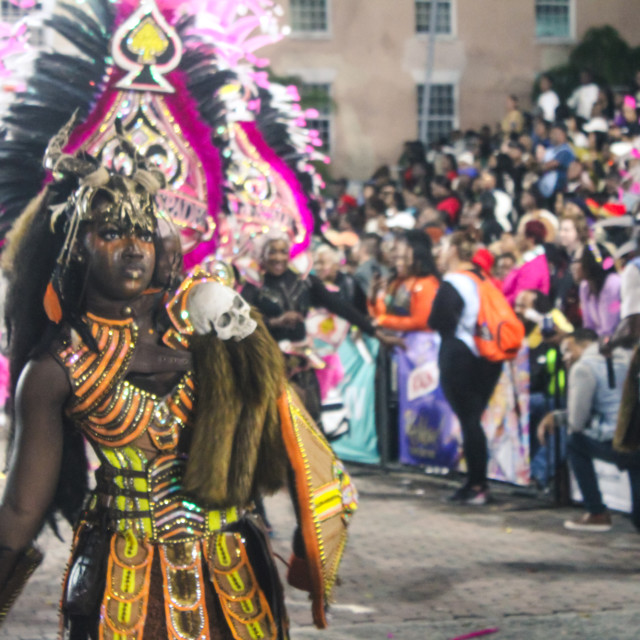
(152, 503)
(186, 614)
(332, 495)
(327, 500)
(243, 602)
(133, 459)
(124, 605)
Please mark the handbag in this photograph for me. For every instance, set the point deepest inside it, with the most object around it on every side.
(85, 582)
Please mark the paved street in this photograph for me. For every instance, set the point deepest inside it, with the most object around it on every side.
(419, 569)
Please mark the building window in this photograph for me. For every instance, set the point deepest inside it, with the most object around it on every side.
(309, 16)
(443, 16)
(10, 12)
(318, 96)
(442, 111)
(553, 18)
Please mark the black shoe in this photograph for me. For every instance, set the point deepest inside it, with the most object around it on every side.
(469, 495)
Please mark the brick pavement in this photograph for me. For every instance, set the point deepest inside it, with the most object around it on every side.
(417, 568)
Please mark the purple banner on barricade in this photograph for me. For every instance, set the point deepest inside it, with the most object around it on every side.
(428, 429)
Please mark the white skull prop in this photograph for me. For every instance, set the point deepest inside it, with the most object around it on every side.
(214, 306)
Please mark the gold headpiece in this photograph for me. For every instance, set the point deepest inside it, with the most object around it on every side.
(102, 195)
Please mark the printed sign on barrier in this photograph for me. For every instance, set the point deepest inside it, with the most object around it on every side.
(429, 431)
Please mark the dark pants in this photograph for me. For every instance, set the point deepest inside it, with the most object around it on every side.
(468, 383)
(581, 451)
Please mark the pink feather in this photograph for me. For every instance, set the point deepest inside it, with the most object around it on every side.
(477, 634)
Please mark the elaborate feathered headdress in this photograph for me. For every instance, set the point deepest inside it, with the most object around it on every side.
(183, 81)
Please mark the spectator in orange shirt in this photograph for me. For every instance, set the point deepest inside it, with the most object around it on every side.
(406, 305)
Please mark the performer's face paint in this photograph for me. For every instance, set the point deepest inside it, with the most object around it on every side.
(121, 259)
(276, 257)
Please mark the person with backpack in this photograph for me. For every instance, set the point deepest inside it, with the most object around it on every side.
(479, 330)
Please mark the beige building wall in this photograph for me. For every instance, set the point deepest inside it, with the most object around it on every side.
(373, 60)
(368, 66)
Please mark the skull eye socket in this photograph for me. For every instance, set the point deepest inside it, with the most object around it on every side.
(224, 320)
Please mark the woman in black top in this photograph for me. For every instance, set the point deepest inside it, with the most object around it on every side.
(284, 299)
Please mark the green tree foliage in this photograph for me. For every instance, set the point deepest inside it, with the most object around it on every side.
(602, 51)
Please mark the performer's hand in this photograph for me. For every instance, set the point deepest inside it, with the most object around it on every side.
(298, 574)
(546, 427)
(287, 320)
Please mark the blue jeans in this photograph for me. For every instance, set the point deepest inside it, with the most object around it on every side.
(543, 456)
(543, 464)
(581, 451)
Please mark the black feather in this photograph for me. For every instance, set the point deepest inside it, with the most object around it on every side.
(59, 85)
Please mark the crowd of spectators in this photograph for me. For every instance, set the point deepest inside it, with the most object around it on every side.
(552, 200)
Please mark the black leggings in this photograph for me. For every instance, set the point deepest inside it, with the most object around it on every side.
(468, 383)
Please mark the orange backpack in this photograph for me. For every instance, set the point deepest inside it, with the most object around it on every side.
(499, 332)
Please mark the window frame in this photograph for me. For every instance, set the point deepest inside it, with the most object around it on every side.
(454, 118)
(453, 22)
(40, 34)
(571, 31)
(312, 34)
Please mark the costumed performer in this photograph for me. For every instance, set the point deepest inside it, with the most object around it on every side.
(186, 408)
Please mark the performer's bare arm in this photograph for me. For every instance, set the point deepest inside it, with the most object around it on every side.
(35, 462)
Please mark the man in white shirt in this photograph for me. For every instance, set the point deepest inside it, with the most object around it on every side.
(548, 100)
(585, 96)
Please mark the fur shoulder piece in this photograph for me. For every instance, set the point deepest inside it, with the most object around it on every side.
(236, 449)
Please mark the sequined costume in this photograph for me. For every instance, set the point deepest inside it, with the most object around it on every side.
(209, 571)
(140, 500)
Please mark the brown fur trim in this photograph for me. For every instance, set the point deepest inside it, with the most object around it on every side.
(236, 447)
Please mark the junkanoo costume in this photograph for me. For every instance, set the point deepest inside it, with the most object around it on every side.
(158, 531)
(172, 565)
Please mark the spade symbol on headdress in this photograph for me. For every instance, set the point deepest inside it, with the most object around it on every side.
(147, 47)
